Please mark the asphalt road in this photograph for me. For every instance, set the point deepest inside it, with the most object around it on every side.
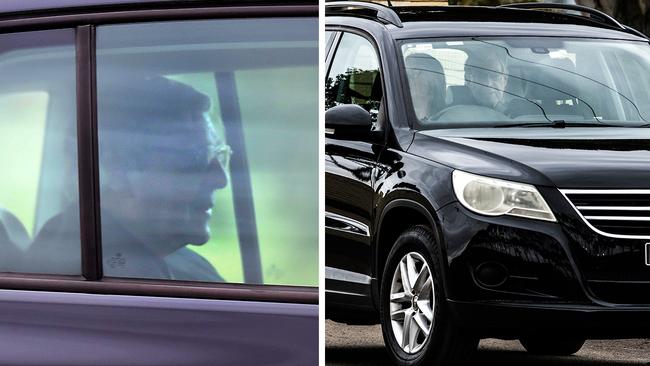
(363, 345)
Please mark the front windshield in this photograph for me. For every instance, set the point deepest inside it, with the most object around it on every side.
(487, 82)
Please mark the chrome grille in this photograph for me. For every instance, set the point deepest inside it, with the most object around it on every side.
(615, 213)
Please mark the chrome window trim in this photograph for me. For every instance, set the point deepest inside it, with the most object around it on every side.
(355, 227)
(565, 192)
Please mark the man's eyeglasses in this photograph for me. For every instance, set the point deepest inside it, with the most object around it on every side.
(222, 153)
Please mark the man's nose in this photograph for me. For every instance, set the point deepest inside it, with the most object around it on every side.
(217, 177)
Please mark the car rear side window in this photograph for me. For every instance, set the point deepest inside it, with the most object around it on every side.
(38, 141)
(208, 150)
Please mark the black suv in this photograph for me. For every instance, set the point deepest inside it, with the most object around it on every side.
(487, 176)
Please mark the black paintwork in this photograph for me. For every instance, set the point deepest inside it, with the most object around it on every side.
(563, 275)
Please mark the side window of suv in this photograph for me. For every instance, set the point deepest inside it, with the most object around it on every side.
(354, 77)
(195, 183)
(38, 140)
(203, 174)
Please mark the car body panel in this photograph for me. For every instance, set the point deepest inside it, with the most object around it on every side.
(349, 182)
(55, 328)
(564, 158)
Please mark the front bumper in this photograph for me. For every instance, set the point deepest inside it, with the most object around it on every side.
(514, 320)
(560, 276)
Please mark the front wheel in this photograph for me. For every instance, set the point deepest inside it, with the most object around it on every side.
(552, 345)
(416, 323)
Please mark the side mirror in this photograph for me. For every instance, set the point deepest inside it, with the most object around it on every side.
(348, 121)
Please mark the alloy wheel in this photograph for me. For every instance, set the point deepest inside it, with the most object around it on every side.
(412, 302)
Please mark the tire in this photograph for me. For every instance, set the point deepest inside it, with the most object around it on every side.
(446, 343)
(552, 345)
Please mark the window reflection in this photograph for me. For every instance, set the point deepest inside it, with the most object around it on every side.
(208, 150)
(161, 161)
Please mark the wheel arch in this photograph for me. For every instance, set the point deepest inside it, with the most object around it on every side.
(398, 215)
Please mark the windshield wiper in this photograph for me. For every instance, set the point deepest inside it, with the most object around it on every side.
(558, 124)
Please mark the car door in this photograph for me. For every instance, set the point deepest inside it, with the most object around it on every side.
(145, 170)
(353, 77)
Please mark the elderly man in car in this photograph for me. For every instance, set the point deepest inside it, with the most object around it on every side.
(487, 77)
(160, 162)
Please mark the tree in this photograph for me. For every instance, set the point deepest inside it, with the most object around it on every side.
(629, 12)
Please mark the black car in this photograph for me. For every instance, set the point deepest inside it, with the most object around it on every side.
(487, 175)
(142, 171)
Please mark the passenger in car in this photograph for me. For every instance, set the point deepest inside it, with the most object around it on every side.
(160, 162)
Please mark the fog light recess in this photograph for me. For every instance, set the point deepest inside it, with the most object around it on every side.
(491, 274)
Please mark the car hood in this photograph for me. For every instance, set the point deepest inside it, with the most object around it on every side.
(561, 157)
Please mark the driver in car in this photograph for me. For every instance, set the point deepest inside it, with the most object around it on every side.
(160, 163)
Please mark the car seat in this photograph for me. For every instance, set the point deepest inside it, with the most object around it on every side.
(55, 249)
(14, 239)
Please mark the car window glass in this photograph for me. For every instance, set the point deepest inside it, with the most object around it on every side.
(510, 81)
(208, 150)
(632, 80)
(38, 142)
(354, 76)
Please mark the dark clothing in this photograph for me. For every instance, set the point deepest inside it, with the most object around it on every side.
(13, 238)
(56, 250)
(512, 105)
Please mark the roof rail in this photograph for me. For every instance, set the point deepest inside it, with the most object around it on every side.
(593, 13)
(383, 13)
(634, 31)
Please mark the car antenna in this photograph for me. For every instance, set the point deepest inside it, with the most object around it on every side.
(390, 5)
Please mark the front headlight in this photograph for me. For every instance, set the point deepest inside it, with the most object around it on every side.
(496, 197)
